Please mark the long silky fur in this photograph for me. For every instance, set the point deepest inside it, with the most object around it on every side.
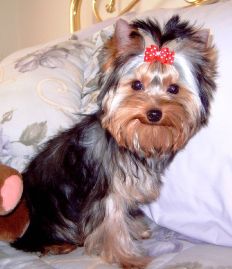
(85, 189)
(68, 184)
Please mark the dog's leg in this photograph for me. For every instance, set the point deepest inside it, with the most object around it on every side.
(139, 225)
(113, 238)
(58, 249)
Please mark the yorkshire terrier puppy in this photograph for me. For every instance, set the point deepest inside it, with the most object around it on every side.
(85, 187)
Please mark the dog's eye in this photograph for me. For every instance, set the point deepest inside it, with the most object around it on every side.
(173, 89)
(137, 85)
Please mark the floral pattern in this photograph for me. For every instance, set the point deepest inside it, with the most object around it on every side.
(4, 144)
(51, 80)
(61, 81)
(33, 134)
(50, 58)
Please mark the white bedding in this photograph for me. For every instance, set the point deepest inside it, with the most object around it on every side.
(170, 250)
(54, 73)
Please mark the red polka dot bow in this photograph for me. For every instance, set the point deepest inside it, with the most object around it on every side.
(153, 53)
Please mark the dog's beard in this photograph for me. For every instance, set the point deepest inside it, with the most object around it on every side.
(131, 128)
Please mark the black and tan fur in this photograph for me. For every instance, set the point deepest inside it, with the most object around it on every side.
(85, 187)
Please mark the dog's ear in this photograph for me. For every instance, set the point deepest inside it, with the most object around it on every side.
(126, 41)
(122, 33)
(205, 37)
(126, 38)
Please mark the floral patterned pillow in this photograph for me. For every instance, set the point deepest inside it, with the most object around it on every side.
(43, 89)
(40, 94)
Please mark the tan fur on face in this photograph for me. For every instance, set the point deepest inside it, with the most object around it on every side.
(128, 122)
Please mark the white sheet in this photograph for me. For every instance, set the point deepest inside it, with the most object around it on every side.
(170, 250)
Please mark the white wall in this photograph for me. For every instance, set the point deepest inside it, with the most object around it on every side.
(25, 23)
(42, 20)
(142, 5)
(9, 21)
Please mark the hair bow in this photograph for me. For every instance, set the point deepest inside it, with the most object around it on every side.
(164, 55)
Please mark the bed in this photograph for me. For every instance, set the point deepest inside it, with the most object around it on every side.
(42, 90)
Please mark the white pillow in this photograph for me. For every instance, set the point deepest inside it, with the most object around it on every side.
(40, 93)
(196, 198)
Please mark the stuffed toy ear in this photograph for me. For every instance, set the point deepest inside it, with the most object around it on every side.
(14, 215)
(11, 188)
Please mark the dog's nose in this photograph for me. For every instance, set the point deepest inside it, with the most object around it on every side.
(154, 115)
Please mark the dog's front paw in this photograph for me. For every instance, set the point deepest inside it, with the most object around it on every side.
(146, 234)
(136, 263)
(58, 249)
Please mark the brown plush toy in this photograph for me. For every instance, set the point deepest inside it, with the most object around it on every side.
(14, 217)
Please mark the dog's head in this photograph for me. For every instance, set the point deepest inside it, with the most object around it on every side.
(157, 84)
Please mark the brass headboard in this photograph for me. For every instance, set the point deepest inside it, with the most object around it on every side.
(75, 10)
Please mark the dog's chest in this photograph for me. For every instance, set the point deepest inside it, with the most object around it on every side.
(136, 182)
